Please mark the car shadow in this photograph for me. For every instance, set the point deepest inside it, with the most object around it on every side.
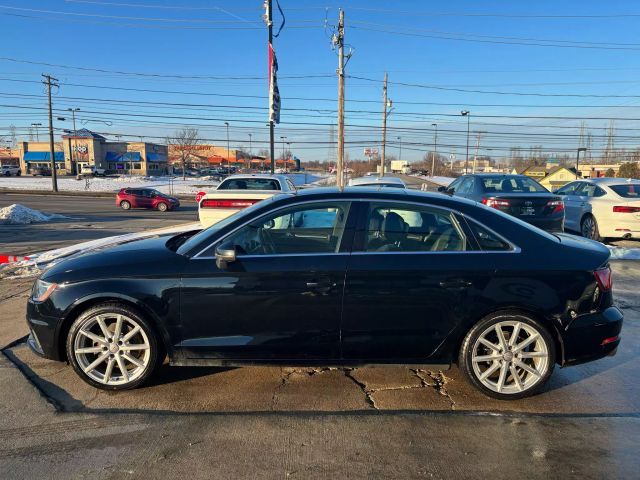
(167, 374)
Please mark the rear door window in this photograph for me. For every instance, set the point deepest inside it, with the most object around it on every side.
(411, 228)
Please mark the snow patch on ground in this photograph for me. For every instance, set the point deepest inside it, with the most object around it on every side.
(442, 181)
(167, 185)
(17, 214)
(38, 262)
(623, 253)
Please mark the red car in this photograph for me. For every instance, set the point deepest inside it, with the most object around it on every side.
(128, 198)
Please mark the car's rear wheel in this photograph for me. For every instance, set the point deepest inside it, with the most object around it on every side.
(112, 347)
(125, 205)
(162, 207)
(589, 228)
(18, 173)
(508, 355)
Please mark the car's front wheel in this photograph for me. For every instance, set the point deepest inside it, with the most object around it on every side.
(162, 207)
(125, 205)
(508, 355)
(112, 347)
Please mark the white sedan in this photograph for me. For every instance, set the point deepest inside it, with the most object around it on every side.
(238, 192)
(602, 208)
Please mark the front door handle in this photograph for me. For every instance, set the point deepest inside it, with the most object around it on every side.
(458, 284)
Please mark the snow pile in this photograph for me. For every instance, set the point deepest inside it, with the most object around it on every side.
(39, 262)
(17, 214)
(622, 253)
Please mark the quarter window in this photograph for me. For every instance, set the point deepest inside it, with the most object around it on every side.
(487, 240)
(408, 228)
(316, 228)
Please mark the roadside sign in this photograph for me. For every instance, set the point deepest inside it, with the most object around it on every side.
(199, 196)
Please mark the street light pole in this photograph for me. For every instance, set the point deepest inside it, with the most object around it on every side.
(466, 113)
(581, 149)
(228, 149)
(283, 139)
(400, 152)
(435, 143)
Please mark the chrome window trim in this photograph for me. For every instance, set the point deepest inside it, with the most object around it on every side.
(515, 248)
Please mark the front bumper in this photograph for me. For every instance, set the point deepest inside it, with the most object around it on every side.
(583, 338)
(44, 330)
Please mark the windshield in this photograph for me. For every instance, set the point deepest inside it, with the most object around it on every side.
(207, 232)
(249, 184)
(503, 184)
(628, 190)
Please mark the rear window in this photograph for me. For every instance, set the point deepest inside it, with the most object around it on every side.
(502, 184)
(629, 190)
(249, 184)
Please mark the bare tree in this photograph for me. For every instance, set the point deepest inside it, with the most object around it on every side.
(182, 143)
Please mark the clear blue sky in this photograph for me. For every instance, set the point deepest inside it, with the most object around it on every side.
(581, 48)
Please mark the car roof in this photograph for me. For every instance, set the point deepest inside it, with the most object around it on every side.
(495, 175)
(371, 180)
(612, 181)
(257, 175)
(373, 192)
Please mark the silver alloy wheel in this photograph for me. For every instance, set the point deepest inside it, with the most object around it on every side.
(510, 357)
(125, 205)
(112, 349)
(589, 227)
(162, 207)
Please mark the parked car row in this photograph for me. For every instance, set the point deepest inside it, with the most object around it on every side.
(597, 208)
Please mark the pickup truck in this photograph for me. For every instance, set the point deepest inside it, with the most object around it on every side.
(92, 171)
(8, 170)
(238, 192)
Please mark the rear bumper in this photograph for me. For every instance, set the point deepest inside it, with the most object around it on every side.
(547, 224)
(592, 336)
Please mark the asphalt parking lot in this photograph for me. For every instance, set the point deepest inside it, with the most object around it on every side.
(273, 422)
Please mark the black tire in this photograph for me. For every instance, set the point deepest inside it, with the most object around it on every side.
(19, 173)
(156, 349)
(7, 173)
(590, 230)
(125, 205)
(162, 207)
(472, 338)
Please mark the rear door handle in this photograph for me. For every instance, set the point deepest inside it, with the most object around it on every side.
(458, 284)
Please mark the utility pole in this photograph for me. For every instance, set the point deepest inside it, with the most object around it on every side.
(435, 147)
(466, 113)
(283, 160)
(49, 82)
(384, 124)
(339, 41)
(228, 148)
(475, 157)
(250, 150)
(36, 125)
(75, 139)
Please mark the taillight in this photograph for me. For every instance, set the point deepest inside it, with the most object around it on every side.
(211, 203)
(557, 205)
(495, 203)
(604, 279)
(625, 209)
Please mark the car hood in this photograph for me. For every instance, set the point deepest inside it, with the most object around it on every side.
(146, 257)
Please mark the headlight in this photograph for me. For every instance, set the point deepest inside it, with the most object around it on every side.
(42, 290)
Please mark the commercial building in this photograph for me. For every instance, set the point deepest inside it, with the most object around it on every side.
(83, 147)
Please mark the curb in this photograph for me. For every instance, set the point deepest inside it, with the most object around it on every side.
(15, 191)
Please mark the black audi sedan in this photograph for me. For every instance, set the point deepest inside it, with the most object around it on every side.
(517, 195)
(323, 277)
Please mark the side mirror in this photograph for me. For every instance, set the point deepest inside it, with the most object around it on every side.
(442, 189)
(225, 254)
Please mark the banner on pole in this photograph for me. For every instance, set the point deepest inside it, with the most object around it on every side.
(274, 93)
